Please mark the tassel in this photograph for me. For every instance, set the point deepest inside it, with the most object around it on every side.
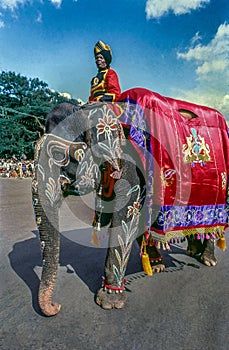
(221, 243)
(145, 260)
(94, 239)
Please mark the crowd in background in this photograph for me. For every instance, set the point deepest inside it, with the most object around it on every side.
(16, 168)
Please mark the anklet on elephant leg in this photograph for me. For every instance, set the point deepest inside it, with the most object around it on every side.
(113, 289)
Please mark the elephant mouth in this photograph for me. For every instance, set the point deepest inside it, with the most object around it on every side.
(74, 190)
(116, 174)
(71, 191)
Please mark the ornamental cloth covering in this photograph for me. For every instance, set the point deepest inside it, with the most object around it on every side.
(186, 160)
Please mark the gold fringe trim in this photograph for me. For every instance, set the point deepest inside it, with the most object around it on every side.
(218, 231)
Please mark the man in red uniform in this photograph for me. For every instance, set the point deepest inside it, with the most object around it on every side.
(105, 85)
(104, 88)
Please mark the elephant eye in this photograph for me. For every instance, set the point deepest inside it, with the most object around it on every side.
(58, 152)
(58, 155)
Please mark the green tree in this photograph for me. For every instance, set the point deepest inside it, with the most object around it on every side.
(24, 104)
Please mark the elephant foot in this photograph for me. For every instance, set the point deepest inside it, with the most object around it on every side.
(110, 301)
(157, 268)
(208, 258)
(156, 259)
(195, 246)
(48, 307)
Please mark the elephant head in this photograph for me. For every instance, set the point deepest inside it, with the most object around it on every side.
(77, 143)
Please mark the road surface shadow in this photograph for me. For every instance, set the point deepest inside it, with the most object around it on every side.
(86, 262)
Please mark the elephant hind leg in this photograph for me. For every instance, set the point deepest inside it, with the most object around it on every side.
(195, 246)
(207, 257)
(155, 258)
(205, 249)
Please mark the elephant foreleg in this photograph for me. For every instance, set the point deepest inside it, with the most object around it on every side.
(112, 295)
(195, 246)
(205, 249)
(123, 232)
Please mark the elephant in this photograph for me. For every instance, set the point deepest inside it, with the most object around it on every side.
(90, 148)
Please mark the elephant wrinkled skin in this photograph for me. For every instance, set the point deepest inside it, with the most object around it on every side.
(67, 161)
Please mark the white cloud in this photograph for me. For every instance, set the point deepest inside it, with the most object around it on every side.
(157, 8)
(2, 24)
(196, 38)
(56, 3)
(39, 18)
(218, 46)
(213, 57)
(212, 71)
(11, 4)
(213, 65)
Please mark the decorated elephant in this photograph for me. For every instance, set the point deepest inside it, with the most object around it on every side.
(159, 168)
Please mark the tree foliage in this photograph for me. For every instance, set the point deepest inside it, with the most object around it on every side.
(24, 104)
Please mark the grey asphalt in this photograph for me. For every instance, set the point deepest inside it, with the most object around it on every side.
(184, 308)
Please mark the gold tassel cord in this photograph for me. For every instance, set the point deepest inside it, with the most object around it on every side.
(94, 239)
(145, 260)
(221, 243)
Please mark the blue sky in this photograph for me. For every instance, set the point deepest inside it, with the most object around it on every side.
(177, 48)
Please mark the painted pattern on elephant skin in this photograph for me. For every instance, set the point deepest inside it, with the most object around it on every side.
(63, 166)
(129, 235)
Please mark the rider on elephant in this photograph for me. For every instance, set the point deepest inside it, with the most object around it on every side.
(105, 88)
(105, 85)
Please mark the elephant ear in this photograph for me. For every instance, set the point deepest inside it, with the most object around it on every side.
(106, 132)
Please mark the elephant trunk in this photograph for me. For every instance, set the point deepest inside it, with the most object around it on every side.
(49, 273)
(50, 243)
(47, 306)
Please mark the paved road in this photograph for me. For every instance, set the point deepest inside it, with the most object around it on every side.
(184, 308)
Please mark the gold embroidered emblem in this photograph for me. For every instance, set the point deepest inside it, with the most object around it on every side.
(196, 150)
